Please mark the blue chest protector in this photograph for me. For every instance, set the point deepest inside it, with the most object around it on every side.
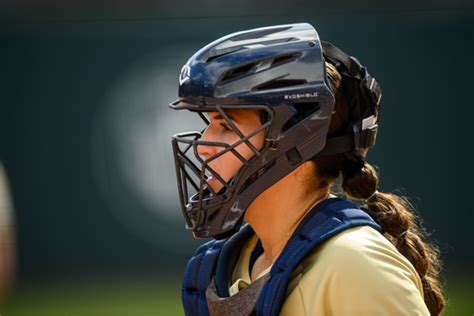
(216, 259)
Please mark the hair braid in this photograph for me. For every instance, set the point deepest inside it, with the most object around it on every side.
(360, 181)
(396, 215)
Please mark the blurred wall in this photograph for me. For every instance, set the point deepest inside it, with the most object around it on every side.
(85, 126)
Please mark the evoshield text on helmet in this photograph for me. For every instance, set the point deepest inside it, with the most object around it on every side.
(280, 72)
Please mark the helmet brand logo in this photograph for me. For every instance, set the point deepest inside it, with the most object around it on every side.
(235, 208)
(185, 75)
(301, 96)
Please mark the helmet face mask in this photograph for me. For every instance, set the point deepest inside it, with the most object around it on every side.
(280, 73)
(203, 189)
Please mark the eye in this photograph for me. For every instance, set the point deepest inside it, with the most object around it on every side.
(225, 127)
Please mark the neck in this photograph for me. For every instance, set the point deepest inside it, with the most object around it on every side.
(276, 213)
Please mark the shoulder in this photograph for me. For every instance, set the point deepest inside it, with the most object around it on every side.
(358, 270)
(359, 248)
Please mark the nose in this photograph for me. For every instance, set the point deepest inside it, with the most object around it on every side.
(206, 151)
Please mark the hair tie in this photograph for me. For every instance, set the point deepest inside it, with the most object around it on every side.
(403, 234)
(352, 164)
(372, 195)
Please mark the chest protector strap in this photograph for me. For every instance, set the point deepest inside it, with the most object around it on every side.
(327, 219)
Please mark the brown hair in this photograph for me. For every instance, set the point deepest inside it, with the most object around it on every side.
(360, 181)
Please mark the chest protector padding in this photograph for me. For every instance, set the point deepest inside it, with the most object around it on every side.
(216, 260)
(242, 303)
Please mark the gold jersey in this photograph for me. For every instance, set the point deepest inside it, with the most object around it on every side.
(357, 272)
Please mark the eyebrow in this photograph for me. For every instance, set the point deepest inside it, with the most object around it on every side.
(220, 117)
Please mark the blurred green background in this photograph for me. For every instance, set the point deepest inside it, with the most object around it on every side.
(85, 138)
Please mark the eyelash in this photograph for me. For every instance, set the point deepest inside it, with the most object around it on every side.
(226, 128)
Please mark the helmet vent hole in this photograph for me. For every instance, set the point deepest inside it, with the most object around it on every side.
(238, 72)
(279, 83)
(284, 59)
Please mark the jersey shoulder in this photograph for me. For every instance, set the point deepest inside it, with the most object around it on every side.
(359, 271)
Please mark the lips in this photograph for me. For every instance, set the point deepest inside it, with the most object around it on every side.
(210, 180)
(215, 184)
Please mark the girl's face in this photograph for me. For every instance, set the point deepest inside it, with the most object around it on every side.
(219, 130)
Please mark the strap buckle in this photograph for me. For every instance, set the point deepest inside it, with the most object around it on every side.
(374, 88)
(366, 137)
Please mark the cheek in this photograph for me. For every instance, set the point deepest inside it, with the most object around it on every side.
(257, 141)
(229, 164)
(227, 167)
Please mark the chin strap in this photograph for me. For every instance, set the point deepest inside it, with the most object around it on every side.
(349, 143)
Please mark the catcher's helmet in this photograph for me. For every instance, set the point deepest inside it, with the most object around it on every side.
(280, 71)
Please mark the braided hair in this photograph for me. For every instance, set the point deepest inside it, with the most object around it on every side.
(360, 181)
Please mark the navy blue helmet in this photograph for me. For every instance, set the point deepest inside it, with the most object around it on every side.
(279, 71)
